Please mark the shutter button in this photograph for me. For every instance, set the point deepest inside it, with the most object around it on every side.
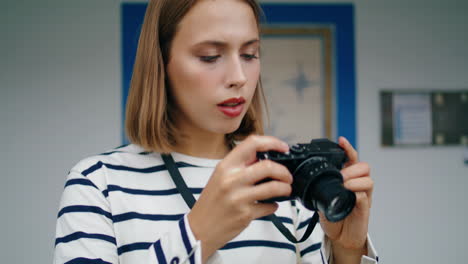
(297, 149)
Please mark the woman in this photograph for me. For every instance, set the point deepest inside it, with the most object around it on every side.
(194, 93)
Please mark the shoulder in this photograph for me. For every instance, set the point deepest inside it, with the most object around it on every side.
(97, 168)
(124, 156)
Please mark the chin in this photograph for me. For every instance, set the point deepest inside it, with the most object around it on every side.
(229, 127)
(229, 130)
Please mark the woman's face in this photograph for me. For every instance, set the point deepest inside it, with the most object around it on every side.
(214, 66)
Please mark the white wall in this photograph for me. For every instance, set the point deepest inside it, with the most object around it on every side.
(60, 87)
(419, 209)
(60, 101)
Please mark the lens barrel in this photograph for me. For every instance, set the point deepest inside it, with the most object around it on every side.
(331, 198)
(319, 186)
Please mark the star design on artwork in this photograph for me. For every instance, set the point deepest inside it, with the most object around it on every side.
(300, 82)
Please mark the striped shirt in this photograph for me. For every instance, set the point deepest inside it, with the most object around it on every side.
(123, 207)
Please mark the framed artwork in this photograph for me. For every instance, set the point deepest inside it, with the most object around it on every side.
(297, 80)
(308, 68)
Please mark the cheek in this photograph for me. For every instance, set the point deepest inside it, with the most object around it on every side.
(183, 78)
(252, 70)
(256, 73)
(183, 75)
(253, 75)
(190, 76)
(190, 81)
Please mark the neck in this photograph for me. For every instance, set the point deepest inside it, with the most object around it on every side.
(203, 146)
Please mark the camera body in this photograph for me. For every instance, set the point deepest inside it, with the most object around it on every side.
(317, 181)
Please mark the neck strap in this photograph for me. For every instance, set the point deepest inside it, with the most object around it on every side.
(190, 201)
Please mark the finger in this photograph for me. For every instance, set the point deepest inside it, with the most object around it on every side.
(268, 190)
(351, 153)
(357, 170)
(362, 200)
(263, 209)
(246, 152)
(332, 229)
(267, 169)
(363, 184)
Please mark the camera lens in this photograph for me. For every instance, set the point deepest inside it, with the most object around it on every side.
(331, 198)
(340, 206)
(320, 187)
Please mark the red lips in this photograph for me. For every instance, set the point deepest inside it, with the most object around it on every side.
(232, 107)
(239, 100)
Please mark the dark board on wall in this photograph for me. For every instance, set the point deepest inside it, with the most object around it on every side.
(441, 117)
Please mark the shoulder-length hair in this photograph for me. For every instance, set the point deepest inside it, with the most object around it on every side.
(148, 113)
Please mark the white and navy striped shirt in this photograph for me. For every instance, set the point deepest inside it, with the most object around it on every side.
(123, 207)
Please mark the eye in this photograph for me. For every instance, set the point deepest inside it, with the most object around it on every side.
(249, 56)
(209, 59)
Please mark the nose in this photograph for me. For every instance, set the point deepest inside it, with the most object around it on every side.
(236, 77)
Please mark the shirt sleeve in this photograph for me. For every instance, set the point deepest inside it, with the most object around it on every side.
(85, 233)
(371, 257)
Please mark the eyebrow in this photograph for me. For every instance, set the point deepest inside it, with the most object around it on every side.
(222, 44)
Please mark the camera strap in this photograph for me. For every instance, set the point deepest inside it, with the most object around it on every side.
(178, 180)
(190, 201)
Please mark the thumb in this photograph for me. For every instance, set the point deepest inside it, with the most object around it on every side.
(332, 230)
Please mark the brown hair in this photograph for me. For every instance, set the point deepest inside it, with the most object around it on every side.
(148, 114)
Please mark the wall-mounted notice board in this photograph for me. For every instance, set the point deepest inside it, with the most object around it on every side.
(424, 118)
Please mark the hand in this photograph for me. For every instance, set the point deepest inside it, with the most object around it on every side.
(228, 203)
(351, 233)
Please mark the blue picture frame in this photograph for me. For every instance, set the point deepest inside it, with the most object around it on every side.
(339, 16)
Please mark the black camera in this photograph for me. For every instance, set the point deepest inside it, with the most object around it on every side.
(317, 181)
